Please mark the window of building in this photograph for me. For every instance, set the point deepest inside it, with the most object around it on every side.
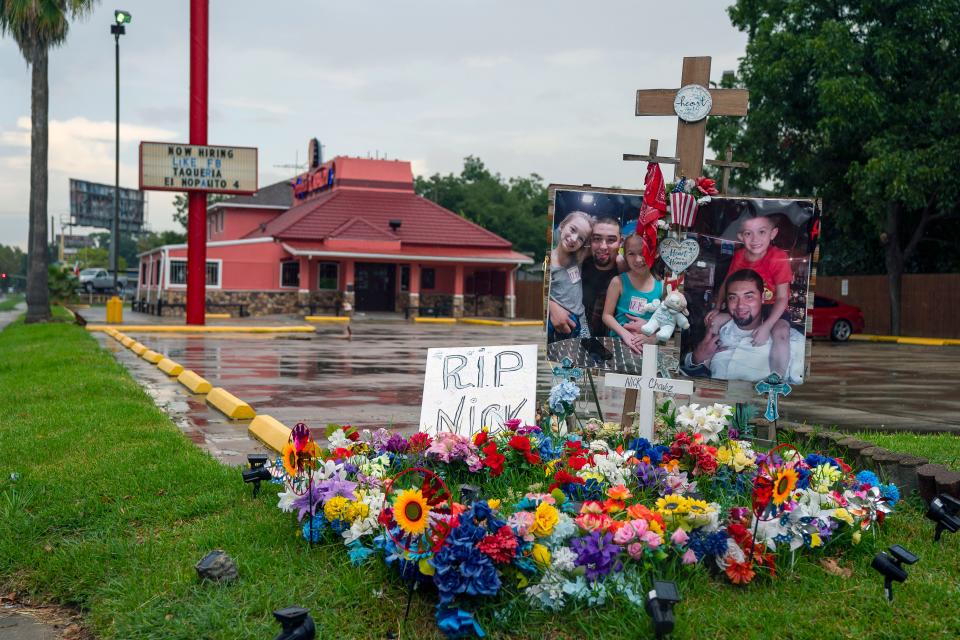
(428, 278)
(290, 273)
(178, 273)
(404, 277)
(328, 276)
(143, 273)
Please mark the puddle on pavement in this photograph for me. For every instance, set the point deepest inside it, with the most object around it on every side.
(376, 380)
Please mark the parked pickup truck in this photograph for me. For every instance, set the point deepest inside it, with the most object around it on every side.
(93, 280)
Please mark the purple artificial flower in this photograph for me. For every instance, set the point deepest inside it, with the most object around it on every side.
(309, 502)
(733, 433)
(528, 429)
(396, 443)
(336, 487)
(649, 476)
(598, 554)
(379, 440)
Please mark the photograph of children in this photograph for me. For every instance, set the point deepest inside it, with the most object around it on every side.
(602, 278)
(747, 291)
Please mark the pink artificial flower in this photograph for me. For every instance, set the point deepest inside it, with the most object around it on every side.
(690, 557)
(679, 537)
(624, 534)
(635, 550)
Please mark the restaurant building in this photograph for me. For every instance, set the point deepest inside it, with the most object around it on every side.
(349, 235)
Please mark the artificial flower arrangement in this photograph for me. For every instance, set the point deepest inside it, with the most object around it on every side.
(568, 518)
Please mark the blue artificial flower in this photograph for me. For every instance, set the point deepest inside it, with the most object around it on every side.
(481, 512)
(589, 490)
(642, 447)
(548, 451)
(457, 623)
(803, 477)
(358, 553)
(890, 492)
(319, 524)
(815, 460)
(868, 477)
(712, 544)
(565, 392)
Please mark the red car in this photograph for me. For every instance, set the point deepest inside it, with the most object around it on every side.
(835, 319)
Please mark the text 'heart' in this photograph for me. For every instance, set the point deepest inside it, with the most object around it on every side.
(679, 254)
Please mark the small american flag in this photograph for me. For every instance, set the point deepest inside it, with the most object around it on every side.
(683, 207)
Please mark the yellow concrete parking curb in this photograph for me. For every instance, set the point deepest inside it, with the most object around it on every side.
(481, 321)
(270, 431)
(127, 341)
(138, 348)
(151, 356)
(230, 405)
(170, 367)
(194, 382)
(171, 328)
(524, 323)
(217, 316)
(435, 320)
(326, 318)
(926, 342)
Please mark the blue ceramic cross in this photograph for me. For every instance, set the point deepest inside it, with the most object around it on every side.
(566, 371)
(774, 386)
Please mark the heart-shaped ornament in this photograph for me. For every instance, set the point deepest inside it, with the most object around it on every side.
(679, 255)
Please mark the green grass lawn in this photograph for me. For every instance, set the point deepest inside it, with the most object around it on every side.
(939, 448)
(10, 301)
(113, 506)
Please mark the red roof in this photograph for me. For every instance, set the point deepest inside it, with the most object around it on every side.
(366, 214)
(444, 254)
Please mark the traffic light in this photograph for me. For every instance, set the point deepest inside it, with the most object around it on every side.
(122, 17)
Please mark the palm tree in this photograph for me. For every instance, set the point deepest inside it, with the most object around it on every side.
(38, 26)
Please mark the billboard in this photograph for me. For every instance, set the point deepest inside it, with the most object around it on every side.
(170, 166)
(91, 205)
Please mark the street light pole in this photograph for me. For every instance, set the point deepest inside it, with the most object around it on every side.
(120, 18)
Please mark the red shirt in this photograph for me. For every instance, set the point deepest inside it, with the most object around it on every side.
(773, 267)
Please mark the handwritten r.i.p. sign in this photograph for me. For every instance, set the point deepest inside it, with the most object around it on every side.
(468, 388)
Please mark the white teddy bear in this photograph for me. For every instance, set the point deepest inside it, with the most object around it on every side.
(667, 316)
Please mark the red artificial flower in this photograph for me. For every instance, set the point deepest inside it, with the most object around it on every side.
(352, 434)
(707, 186)
(493, 459)
(386, 515)
(740, 534)
(563, 477)
(419, 442)
(576, 463)
(480, 438)
(740, 572)
(500, 547)
(340, 452)
(522, 445)
(762, 493)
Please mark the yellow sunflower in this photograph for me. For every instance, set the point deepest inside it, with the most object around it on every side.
(410, 510)
(290, 460)
(784, 485)
(673, 504)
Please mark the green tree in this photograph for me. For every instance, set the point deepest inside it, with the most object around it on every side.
(514, 208)
(152, 240)
(37, 26)
(13, 262)
(857, 102)
(180, 206)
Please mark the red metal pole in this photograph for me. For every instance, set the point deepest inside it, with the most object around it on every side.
(196, 201)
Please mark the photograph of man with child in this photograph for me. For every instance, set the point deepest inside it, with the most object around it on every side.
(747, 291)
(604, 272)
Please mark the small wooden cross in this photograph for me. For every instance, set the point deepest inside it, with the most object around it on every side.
(691, 136)
(647, 384)
(652, 156)
(727, 164)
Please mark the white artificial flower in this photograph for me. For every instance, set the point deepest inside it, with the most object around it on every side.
(339, 440)
(286, 500)
(563, 559)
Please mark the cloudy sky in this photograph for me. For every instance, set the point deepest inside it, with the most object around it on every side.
(544, 86)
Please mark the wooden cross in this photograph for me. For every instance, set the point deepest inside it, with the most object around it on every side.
(652, 156)
(691, 136)
(647, 384)
(727, 164)
(774, 386)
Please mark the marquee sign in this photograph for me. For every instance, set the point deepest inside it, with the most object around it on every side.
(170, 166)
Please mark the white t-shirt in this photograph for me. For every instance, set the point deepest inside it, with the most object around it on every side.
(738, 359)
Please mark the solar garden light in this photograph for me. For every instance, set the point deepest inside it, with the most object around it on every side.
(469, 493)
(257, 472)
(295, 624)
(660, 603)
(891, 567)
(945, 511)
